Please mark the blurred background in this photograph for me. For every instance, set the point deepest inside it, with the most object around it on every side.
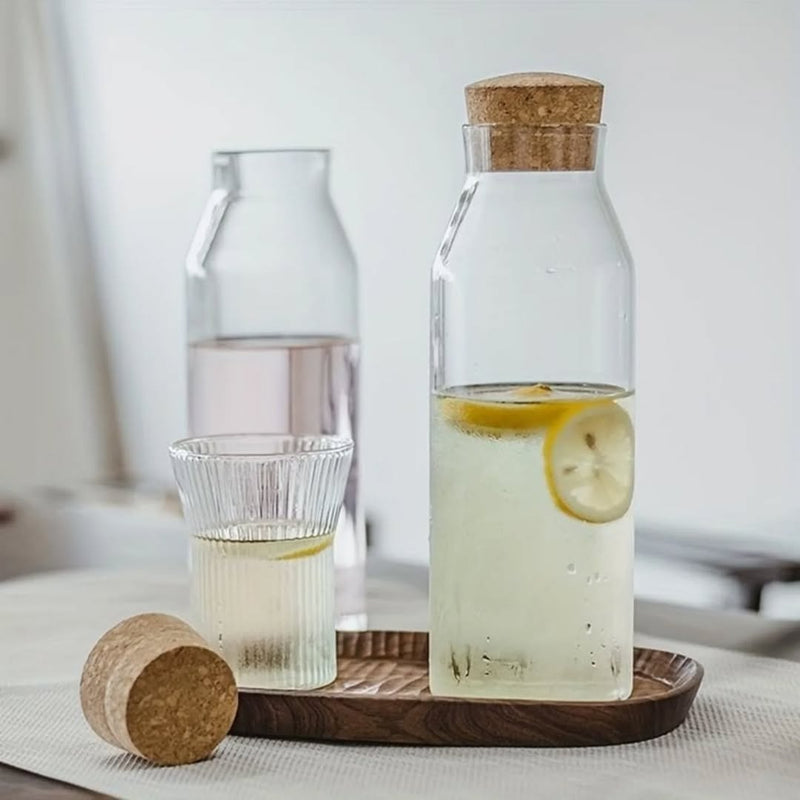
(108, 114)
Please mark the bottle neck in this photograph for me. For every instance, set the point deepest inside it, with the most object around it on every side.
(271, 174)
(534, 149)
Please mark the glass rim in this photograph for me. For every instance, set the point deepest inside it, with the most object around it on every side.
(330, 444)
(555, 127)
(324, 151)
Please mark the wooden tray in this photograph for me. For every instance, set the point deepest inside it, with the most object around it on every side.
(382, 695)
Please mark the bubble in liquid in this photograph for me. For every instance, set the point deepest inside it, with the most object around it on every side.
(571, 569)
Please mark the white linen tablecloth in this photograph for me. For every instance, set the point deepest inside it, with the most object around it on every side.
(742, 739)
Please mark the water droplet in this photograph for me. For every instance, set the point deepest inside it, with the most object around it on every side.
(594, 663)
(588, 628)
(488, 638)
(588, 579)
(603, 645)
(616, 661)
(597, 576)
(486, 659)
(571, 568)
(550, 270)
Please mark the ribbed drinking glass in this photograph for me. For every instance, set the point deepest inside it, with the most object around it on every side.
(262, 511)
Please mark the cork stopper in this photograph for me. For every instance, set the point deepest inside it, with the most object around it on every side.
(540, 120)
(152, 686)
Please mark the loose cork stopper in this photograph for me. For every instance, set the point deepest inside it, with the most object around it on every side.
(152, 686)
(538, 119)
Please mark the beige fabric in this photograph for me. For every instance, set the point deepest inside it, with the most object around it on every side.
(741, 741)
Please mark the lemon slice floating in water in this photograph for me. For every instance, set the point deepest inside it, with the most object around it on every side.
(531, 409)
(275, 549)
(588, 460)
(302, 548)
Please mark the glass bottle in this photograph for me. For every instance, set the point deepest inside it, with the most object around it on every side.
(532, 407)
(273, 322)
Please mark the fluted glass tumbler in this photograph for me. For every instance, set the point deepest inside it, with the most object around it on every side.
(262, 511)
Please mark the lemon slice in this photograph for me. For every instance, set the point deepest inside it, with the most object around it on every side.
(299, 548)
(536, 390)
(493, 418)
(588, 459)
(276, 550)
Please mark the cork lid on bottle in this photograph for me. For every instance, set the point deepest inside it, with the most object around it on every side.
(538, 119)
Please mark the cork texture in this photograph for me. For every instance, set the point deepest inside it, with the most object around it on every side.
(153, 687)
(559, 105)
(534, 98)
(103, 660)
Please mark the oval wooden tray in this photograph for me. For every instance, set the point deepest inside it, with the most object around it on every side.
(382, 695)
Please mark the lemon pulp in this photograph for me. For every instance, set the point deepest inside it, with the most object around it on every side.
(588, 461)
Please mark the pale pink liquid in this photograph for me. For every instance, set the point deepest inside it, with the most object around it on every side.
(298, 385)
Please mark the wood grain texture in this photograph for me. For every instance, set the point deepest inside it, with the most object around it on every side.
(381, 695)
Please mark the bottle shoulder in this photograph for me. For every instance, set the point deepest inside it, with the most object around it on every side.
(266, 236)
(552, 224)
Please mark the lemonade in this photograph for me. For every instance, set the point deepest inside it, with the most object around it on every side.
(267, 606)
(532, 542)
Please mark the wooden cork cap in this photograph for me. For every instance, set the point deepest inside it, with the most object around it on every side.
(534, 98)
(557, 104)
(152, 686)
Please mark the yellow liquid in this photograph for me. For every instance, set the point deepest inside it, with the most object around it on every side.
(527, 600)
(267, 606)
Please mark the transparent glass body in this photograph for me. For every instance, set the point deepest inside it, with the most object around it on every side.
(532, 428)
(273, 322)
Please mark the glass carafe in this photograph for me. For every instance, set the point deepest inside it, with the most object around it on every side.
(532, 422)
(273, 322)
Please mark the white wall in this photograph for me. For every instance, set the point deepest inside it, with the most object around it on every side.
(701, 104)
